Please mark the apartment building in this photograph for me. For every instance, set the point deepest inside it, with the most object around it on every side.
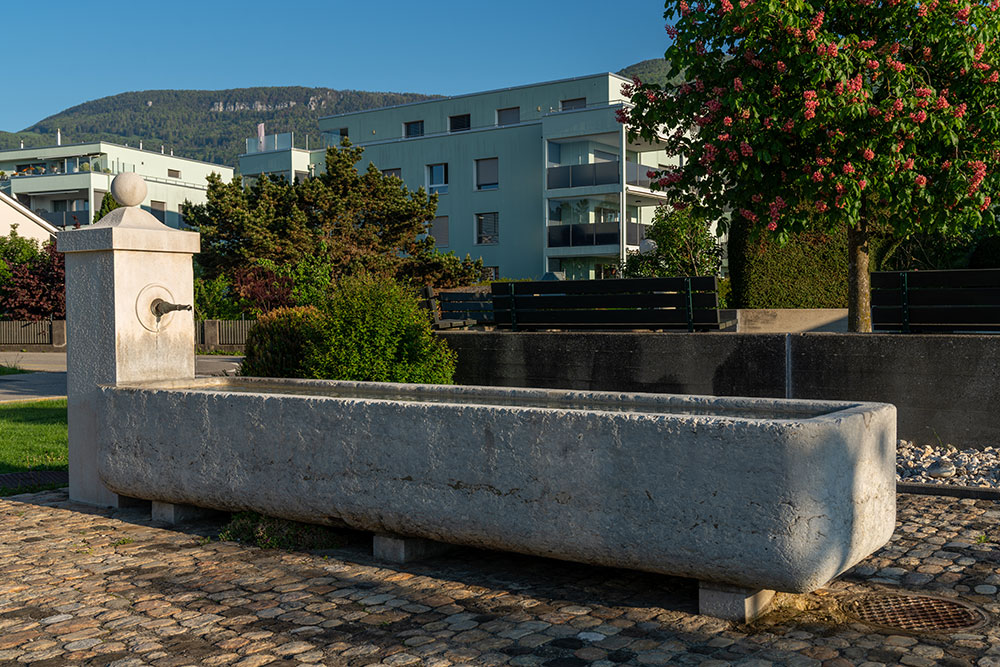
(532, 179)
(64, 184)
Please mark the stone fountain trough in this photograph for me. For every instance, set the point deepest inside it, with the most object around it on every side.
(746, 495)
(753, 493)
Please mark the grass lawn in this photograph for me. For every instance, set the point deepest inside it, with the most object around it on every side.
(33, 436)
(11, 370)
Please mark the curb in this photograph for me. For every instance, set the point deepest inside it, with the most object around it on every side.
(974, 492)
(16, 480)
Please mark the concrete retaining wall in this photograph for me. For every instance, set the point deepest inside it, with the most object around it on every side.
(758, 493)
(944, 387)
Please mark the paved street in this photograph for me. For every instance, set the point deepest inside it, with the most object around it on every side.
(50, 380)
(101, 587)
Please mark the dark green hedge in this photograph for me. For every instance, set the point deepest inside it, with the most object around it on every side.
(810, 271)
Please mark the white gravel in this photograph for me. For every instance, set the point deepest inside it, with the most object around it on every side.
(929, 464)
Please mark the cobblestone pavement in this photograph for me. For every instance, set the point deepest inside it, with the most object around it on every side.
(80, 586)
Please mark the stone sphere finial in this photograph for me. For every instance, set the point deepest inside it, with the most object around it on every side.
(128, 189)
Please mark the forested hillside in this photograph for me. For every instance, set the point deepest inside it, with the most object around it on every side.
(652, 71)
(204, 124)
(213, 125)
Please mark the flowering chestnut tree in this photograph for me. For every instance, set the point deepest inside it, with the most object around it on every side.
(810, 114)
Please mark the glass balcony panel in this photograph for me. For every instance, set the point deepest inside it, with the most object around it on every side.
(606, 233)
(605, 173)
(581, 235)
(559, 236)
(581, 175)
(558, 177)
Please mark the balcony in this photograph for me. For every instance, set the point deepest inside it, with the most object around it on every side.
(596, 173)
(593, 234)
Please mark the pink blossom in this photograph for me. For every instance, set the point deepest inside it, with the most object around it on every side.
(727, 121)
(771, 226)
(780, 66)
(869, 154)
(817, 176)
(821, 206)
(862, 184)
(848, 168)
(671, 32)
(919, 116)
(737, 84)
(745, 149)
(985, 205)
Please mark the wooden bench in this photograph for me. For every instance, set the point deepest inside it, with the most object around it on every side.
(951, 301)
(686, 304)
(463, 305)
(442, 318)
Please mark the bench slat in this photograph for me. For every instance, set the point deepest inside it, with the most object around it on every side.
(602, 301)
(629, 286)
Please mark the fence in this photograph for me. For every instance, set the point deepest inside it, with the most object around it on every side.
(225, 335)
(29, 334)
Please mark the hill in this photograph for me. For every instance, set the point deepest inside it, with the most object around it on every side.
(207, 125)
(212, 125)
(649, 71)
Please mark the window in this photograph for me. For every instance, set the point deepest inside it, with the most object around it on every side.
(173, 173)
(343, 132)
(159, 210)
(511, 116)
(605, 214)
(555, 211)
(439, 230)
(459, 123)
(491, 273)
(604, 156)
(487, 228)
(575, 103)
(398, 173)
(437, 179)
(487, 174)
(414, 128)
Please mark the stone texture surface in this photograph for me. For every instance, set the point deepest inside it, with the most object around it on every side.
(81, 585)
(747, 499)
(109, 267)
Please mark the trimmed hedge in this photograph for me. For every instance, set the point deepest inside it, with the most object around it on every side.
(810, 271)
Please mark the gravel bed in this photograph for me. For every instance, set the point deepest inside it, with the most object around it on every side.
(946, 464)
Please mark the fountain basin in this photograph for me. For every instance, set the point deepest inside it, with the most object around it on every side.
(758, 493)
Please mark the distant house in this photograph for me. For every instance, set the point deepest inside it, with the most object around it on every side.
(64, 184)
(28, 224)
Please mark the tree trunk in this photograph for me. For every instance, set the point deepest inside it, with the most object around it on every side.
(859, 309)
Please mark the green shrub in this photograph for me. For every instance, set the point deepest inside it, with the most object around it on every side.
(278, 342)
(376, 331)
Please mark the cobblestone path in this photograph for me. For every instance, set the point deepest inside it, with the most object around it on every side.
(80, 586)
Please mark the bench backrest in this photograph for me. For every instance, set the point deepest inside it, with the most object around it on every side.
(640, 303)
(936, 301)
(476, 306)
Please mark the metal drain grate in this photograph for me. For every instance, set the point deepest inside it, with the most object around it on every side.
(914, 613)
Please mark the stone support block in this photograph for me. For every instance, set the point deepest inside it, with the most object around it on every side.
(399, 549)
(177, 513)
(732, 603)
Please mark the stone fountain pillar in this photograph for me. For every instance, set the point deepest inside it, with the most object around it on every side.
(119, 273)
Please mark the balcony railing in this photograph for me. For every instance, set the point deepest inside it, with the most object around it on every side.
(593, 234)
(65, 218)
(597, 173)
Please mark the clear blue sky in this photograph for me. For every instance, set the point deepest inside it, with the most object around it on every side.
(59, 54)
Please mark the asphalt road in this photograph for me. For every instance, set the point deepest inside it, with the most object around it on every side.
(49, 378)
